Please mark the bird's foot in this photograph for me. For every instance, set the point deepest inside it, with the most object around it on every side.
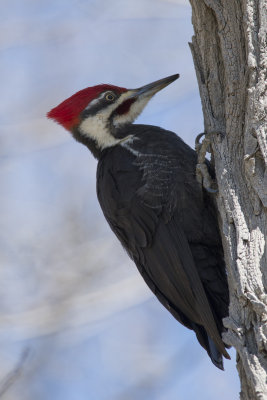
(204, 178)
(202, 172)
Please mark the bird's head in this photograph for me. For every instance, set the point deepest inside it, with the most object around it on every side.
(97, 113)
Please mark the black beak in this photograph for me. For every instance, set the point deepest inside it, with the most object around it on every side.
(154, 87)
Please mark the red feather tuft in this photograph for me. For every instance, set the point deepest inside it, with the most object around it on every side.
(68, 112)
(125, 106)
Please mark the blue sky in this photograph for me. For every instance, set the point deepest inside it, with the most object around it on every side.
(68, 292)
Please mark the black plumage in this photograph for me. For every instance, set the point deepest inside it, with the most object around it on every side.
(167, 223)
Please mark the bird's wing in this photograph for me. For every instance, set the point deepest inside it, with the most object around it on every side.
(143, 217)
(170, 264)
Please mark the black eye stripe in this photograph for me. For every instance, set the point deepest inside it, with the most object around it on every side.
(99, 104)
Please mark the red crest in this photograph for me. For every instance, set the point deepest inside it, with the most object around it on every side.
(68, 112)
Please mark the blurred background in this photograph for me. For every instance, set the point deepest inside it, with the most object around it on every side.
(76, 319)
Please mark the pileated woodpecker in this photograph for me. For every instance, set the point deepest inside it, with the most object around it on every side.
(148, 192)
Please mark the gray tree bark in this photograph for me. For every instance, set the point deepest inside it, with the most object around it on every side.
(230, 55)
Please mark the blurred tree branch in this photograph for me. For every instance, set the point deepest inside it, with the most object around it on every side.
(15, 373)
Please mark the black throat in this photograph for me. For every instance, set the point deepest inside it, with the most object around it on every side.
(88, 142)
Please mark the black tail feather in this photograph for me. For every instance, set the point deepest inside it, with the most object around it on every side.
(215, 355)
(209, 345)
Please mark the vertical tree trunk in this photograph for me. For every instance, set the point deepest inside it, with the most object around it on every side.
(230, 54)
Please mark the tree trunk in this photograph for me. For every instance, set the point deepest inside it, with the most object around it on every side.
(230, 54)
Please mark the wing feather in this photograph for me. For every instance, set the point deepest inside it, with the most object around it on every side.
(159, 213)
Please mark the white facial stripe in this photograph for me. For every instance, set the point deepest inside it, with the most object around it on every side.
(97, 100)
(92, 103)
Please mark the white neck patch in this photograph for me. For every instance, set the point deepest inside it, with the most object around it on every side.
(95, 127)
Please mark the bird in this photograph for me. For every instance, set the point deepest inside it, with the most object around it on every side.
(163, 217)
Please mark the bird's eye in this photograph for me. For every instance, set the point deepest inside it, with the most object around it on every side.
(110, 97)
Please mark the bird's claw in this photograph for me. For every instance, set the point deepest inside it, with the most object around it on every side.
(204, 178)
(202, 172)
(197, 141)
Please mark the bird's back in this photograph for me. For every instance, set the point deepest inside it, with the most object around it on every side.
(167, 223)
